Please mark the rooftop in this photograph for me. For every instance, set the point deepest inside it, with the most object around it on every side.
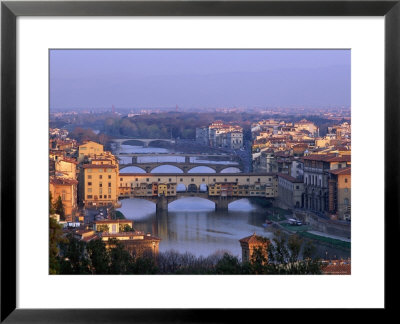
(342, 171)
(98, 166)
(289, 178)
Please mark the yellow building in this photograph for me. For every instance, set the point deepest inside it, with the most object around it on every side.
(67, 190)
(138, 244)
(100, 184)
(135, 242)
(340, 193)
(112, 226)
(66, 168)
(89, 149)
(162, 189)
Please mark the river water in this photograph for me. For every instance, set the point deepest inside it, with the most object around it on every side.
(192, 224)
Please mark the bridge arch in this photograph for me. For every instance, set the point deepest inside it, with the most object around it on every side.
(176, 169)
(203, 169)
(134, 142)
(197, 204)
(231, 169)
(131, 169)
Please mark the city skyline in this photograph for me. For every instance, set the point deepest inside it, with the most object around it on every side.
(90, 79)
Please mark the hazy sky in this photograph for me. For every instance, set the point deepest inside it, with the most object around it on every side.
(199, 78)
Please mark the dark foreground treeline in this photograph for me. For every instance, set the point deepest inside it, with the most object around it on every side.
(71, 256)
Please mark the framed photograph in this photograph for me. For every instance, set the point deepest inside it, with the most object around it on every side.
(191, 153)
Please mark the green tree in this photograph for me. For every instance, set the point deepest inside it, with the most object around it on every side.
(125, 228)
(283, 256)
(99, 257)
(120, 259)
(51, 206)
(74, 259)
(55, 238)
(259, 261)
(228, 265)
(143, 265)
(102, 228)
(59, 208)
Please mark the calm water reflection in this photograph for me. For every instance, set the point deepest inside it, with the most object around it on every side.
(192, 225)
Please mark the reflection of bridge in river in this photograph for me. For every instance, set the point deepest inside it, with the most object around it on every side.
(248, 182)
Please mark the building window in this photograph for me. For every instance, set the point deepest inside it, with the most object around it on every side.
(100, 177)
(109, 184)
(121, 179)
(192, 180)
(89, 177)
(109, 177)
(147, 179)
(109, 191)
(89, 183)
(345, 180)
(89, 196)
(89, 190)
(100, 184)
(169, 180)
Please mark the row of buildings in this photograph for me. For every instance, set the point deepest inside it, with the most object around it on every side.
(220, 135)
(86, 176)
(314, 173)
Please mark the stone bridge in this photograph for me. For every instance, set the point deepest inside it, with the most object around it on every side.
(221, 202)
(145, 141)
(185, 167)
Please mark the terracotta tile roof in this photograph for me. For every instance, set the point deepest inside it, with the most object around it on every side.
(289, 178)
(112, 221)
(70, 160)
(342, 171)
(252, 239)
(328, 158)
(98, 166)
(89, 238)
(145, 236)
(338, 268)
(62, 181)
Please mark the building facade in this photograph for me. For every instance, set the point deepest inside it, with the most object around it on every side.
(340, 193)
(290, 191)
(316, 176)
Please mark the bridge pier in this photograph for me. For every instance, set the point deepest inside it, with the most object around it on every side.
(187, 159)
(221, 204)
(161, 204)
(134, 159)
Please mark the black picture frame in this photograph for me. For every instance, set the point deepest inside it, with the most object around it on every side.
(10, 10)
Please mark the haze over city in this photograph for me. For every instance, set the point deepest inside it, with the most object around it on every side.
(91, 79)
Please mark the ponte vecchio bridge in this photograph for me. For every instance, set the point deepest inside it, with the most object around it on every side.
(193, 182)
